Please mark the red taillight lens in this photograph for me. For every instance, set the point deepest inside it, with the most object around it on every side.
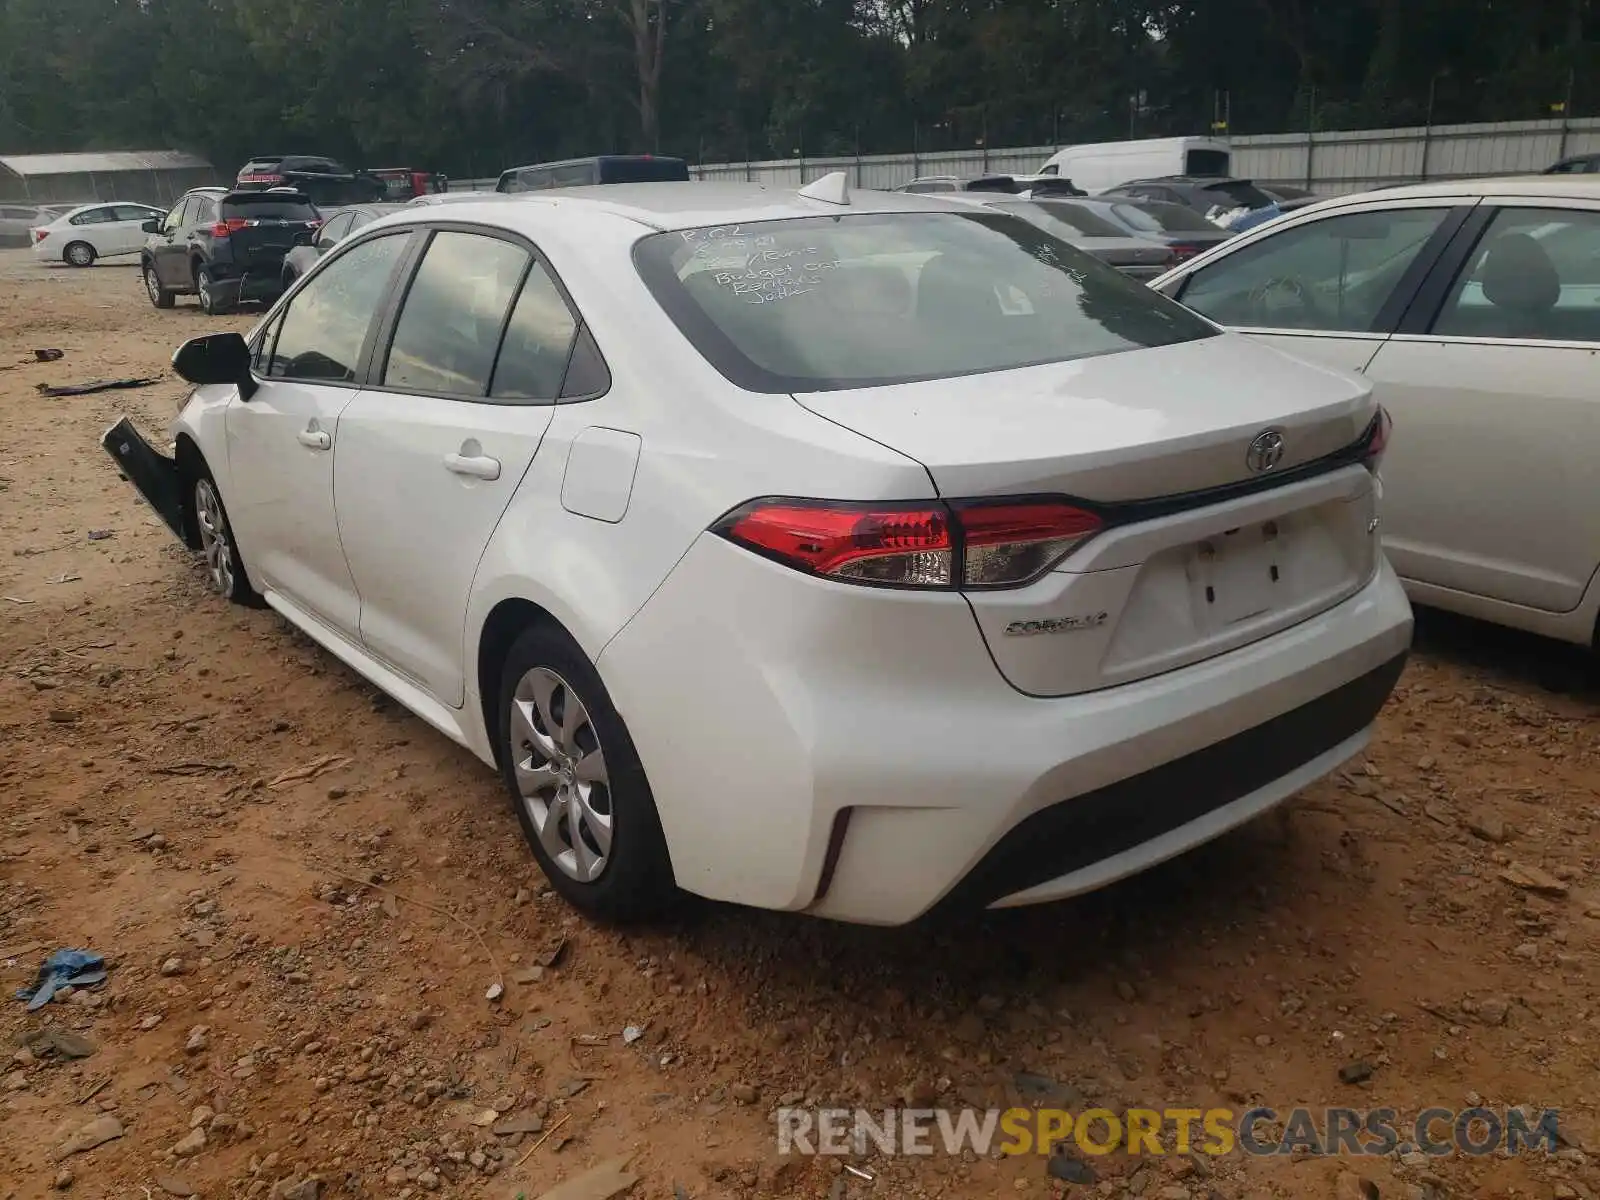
(1377, 439)
(1183, 252)
(1007, 544)
(232, 225)
(39, 235)
(979, 544)
(884, 544)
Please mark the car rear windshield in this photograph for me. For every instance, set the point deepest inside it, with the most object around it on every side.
(1239, 191)
(823, 303)
(1069, 220)
(268, 208)
(643, 170)
(1206, 162)
(1156, 217)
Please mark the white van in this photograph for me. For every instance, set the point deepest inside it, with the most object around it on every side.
(1102, 165)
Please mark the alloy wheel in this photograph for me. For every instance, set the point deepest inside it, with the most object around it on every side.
(214, 542)
(561, 776)
(151, 286)
(80, 255)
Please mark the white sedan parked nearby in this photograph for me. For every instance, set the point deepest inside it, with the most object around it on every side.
(846, 554)
(95, 231)
(1474, 309)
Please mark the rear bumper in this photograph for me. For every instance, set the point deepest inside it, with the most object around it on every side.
(154, 475)
(856, 754)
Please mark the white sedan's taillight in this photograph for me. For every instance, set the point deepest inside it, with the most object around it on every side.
(1376, 440)
(39, 235)
(972, 544)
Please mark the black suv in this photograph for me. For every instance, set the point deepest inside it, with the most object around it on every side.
(328, 182)
(225, 247)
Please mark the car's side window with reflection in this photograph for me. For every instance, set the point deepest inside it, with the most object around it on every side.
(449, 327)
(1534, 276)
(1332, 275)
(334, 230)
(538, 342)
(175, 218)
(325, 326)
(261, 353)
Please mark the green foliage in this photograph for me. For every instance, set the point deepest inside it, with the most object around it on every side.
(471, 86)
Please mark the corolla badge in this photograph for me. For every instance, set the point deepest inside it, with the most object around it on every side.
(1057, 624)
(1265, 452)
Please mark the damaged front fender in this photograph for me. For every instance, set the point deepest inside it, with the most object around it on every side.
(154, 474)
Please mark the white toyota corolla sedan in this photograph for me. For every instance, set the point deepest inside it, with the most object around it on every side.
(848, 554)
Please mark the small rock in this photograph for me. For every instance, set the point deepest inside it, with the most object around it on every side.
(173, 966)
(1356, 1072)
(190, 1144)
(485, 1118)
(744, 1093)
(1494, 1010)
(63, 716)
(303, 1189)
(1489, 826)
(631, 1034)
(494, 993)
(199, 1039)
(1173, 1191)
(520, 1123)
(528, 975)
(173, 1186)
(1070, 1170)
(63, 1179)
(201, 1116)
(428, 1180)
(1533, 879)
(1126, 991)
(96, 1133)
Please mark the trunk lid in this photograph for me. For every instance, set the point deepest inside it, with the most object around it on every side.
(1165, 584)
(1127, 252)
(265, 226)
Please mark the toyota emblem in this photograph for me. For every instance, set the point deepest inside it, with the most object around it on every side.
(1265, 452)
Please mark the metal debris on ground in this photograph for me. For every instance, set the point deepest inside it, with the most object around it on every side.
(77, 968)
(98, 385)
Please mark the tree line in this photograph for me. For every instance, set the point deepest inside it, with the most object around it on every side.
(471, 86)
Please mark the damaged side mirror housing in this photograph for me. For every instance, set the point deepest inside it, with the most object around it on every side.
(216, 358)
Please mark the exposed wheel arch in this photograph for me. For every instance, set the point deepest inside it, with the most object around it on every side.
(191, 465)
(503, 626)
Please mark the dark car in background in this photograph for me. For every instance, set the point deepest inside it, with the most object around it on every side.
(225, 247)
(1137, 257)
(1015, 184)
(1202, 193)
(603, 168)
(1185, 232)
(327, 181)
(335, 227)
(407, 183)
(1578, 164)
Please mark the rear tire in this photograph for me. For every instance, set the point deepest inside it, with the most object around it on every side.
(576, 783)
(205, 288)
(159, 296)
(78, 254)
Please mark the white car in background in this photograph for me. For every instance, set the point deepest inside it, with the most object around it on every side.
(843, 554)
(1473, 307)
(80, 236)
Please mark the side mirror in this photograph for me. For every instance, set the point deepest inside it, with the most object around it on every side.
(216, 358)
(152, 226)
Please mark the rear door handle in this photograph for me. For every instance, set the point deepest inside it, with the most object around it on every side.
(477, 466)
(315, 438)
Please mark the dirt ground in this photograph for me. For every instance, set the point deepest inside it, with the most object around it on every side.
(305, 895)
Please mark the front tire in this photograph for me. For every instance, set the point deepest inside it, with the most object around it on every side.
(577, 785)
(78, 254)
(159, 296)
(225, 570)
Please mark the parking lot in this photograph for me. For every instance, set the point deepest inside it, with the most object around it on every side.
(306, 895)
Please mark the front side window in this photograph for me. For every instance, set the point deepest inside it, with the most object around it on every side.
(325, 327)
(823, 303)
(175, 218)
(1534, 276)
(1331, 275)
(334, 230)
(449, 327)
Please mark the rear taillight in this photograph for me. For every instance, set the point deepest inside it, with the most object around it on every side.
(1008, 543)
(232, 225)
(39, 235)
(1376, 440)
(978, 544)
(1183, 252)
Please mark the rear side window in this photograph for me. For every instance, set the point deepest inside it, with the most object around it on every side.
(1156, 217)
(95, 216)
(1534, 276)
(1237, 193)
(1070, 220)
(856, 301)
(1333, 275)
(538, 342)
(1206, 162)
(326, 324)
(268, 208)
(454, 311)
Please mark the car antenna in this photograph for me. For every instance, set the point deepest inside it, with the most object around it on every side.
(832, 188)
